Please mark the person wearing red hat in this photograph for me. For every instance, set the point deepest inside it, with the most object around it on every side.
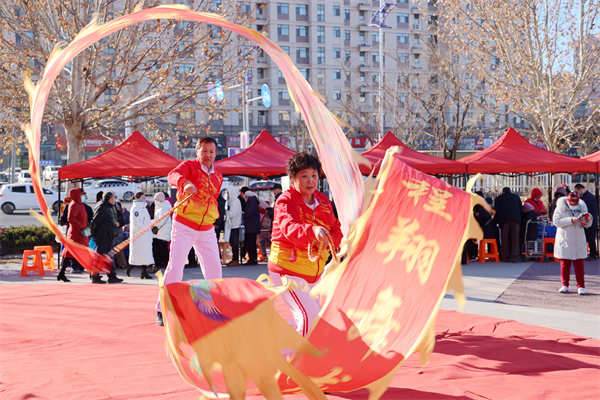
(571, 217)
(536, 201)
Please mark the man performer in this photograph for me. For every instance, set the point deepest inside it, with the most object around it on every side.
(193, 221)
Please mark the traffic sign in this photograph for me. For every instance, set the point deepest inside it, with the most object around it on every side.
(219, 90)
(212, 96)
(266, 96)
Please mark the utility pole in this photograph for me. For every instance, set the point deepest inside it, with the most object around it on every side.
(378, 20)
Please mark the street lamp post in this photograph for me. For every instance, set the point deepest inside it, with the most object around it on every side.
(385, 8)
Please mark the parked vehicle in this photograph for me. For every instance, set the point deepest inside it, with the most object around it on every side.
(19, 196)
(50, 172)
(124, 190)
(24, 177)
(3, 178)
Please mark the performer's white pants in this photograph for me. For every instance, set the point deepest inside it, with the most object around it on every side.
(304, 308)
(206, 247)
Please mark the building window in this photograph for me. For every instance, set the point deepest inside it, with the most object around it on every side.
(402, 18)
(337, 32)
(346, 55)
(362, 97)
(260, 9)
(346, 35)
(375, 56)
(416, 58)
(361, 36)
(337, 74)
(302, 52)
(284, 94)
(320, 34)
(187, 115)
(283, 8)
(260, 73)
(416, 40)
(336, 11)
(279, 73)
(375, 76)
(284, 115)
(337, 95)
(110, 94)
(283, 30)
(286, 49)
(402, 38)
(361, 15)
(403, 58)
(301, 9)
(375, 37)
(301, 31)
(346, 15)
(362, 76)
(321, 76)
(320, 12)
(305, 72)
(183, 68)
(361, 56)
(321, 55)
(416, 18)
(337, 53)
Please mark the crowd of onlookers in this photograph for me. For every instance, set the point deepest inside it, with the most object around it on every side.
(573, 215)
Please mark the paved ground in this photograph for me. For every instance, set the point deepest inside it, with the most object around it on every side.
(525, 292)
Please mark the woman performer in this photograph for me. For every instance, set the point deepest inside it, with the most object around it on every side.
(303, 220)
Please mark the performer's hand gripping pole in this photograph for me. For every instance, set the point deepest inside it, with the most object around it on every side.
(121, 246)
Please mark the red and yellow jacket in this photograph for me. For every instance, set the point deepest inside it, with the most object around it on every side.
(293, 233)
(201, 211)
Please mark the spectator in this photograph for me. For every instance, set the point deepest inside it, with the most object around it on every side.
(529, 214)
(98, 197)
(243, 190)
(560, 192)
(64, 205)
(265, 233)
(220, 222)
(78, 232)
(234, 215)
(104, 229)
(571, 218)
(140, 249)
(169, 199)
(120, 259)
(536, 201)
(251, 218)
(592, 206)
(161, 232)
(89, 210)
(508, 215)
(277, 190)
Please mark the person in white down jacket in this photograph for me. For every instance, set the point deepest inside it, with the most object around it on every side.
(140, 251)
(571, 217)
(160, 242)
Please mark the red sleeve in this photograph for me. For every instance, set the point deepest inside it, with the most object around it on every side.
(179, 175)
(72, 217)
(335, 230)
(290, 225)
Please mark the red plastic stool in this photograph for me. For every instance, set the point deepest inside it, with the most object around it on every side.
(49, 261)
(548, 253)
(493, 254)
(37, 262)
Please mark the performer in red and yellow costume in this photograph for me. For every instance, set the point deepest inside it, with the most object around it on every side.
(303, 220)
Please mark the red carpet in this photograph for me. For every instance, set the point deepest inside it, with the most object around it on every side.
(100, 342)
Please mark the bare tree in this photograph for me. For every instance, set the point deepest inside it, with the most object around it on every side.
(539, 60)
(147, 76)
(300, 137)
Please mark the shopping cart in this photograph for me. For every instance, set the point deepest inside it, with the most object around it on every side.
(535, 248)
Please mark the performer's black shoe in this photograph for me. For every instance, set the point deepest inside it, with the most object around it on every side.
(155, 269)
(128, 270)
(145, 275)
(251, 262)
(114, 279)
(61, 277)
(97, 280)
(159, 319)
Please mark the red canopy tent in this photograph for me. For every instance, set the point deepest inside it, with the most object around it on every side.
(595, 158)
(136, 157)
(512, 153)
(422, 162)
(265, 157)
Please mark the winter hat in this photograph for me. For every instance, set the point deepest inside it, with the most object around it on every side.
(573, 199)
(535, 192)
(528, 207)
(561, 190)
(159, 196)
(107, 195)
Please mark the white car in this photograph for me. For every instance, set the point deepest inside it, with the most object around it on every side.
(21, 197)
(123, 190)
(51, 172)
(24, 177)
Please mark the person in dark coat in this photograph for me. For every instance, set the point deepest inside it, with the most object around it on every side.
(529, 214)
(243, 191)
(251, 218)
(220, 222)
(77, 219)
(104, 229)
(509, 208)
(590, 233)
(560, 192)
(89, 210)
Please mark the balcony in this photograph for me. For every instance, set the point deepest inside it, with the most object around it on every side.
(365, 6)
(363, 46)
(364, 27)
(364, 67)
